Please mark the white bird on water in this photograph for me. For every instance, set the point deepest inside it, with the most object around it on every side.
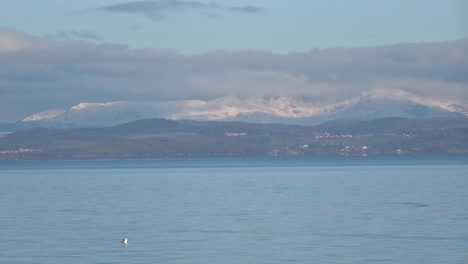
(125, 241)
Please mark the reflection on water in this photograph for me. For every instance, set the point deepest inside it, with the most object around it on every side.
(232, 211)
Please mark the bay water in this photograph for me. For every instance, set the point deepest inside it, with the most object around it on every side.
(235, 210)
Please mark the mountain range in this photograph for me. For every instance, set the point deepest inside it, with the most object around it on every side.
(299, 110)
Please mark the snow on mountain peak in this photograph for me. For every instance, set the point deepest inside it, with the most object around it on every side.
(260, 109)
(403, 95)
(82, 106)
(381, 93)
(44, 115)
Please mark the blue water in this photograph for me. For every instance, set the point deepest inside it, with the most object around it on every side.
(235, 210)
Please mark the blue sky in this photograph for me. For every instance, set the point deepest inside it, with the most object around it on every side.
(279, 26)
(57, 53)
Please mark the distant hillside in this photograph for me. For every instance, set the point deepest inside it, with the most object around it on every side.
(169, 138)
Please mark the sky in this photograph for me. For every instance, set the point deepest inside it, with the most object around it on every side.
(56, 54)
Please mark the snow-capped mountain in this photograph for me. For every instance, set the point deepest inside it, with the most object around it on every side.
(380, 103)
(267, 109)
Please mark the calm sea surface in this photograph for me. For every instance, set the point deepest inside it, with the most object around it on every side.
(235, 210)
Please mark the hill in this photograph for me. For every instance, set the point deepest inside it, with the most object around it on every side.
(185, 138)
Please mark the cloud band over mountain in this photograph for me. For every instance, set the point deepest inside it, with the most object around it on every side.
(38, 74)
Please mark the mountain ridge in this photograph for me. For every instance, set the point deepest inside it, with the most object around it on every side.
(301, 110)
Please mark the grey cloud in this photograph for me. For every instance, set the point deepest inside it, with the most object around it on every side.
(40, 74)
(246, 9)
(156, 9)
(85, 34)
(78, 34)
